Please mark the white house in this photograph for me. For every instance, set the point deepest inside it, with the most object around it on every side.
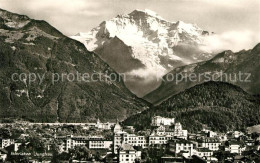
(104, 126)
(203, 152)
(210, 143)
(135, 140)
(181, 145)
(159, 139)
(235, 147)
(177, 131)
(237, 134)
(6, 142)
(70, 141)
(158, 120)
(127, 154)
(99, 143)
(121, 137)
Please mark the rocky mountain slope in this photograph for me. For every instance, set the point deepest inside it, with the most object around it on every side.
(145, 46)
(221, 106)
(225, 66)
(32, 46)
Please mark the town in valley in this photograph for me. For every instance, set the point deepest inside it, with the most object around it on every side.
(165, 141)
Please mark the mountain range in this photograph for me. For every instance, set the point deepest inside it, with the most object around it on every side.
(140, 44)
(144, 46)
(33, 46)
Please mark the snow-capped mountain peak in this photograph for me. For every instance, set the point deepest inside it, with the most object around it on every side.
(148, 13)
(140, 24)
(150, 44)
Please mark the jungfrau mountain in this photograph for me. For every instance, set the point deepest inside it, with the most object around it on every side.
(145, 47)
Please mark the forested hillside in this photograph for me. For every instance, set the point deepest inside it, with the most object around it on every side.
(218, 105)
(29, 46)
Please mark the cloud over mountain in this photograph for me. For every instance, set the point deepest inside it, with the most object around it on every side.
(233, 40)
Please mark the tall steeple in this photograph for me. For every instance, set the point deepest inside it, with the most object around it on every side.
(117, 126)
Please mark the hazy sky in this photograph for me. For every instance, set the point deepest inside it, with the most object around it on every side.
(230, 17)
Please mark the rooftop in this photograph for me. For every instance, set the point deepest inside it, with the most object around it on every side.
(203, 150)
(127, 147)
(182, 141)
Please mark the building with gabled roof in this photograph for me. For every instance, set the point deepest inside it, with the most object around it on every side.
(127, 154)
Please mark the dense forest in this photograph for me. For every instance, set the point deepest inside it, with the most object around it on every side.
(218, 105)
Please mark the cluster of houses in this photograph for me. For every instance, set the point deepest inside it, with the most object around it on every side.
(127, 147)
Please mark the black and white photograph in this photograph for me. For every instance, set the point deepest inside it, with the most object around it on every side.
(130, 81)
